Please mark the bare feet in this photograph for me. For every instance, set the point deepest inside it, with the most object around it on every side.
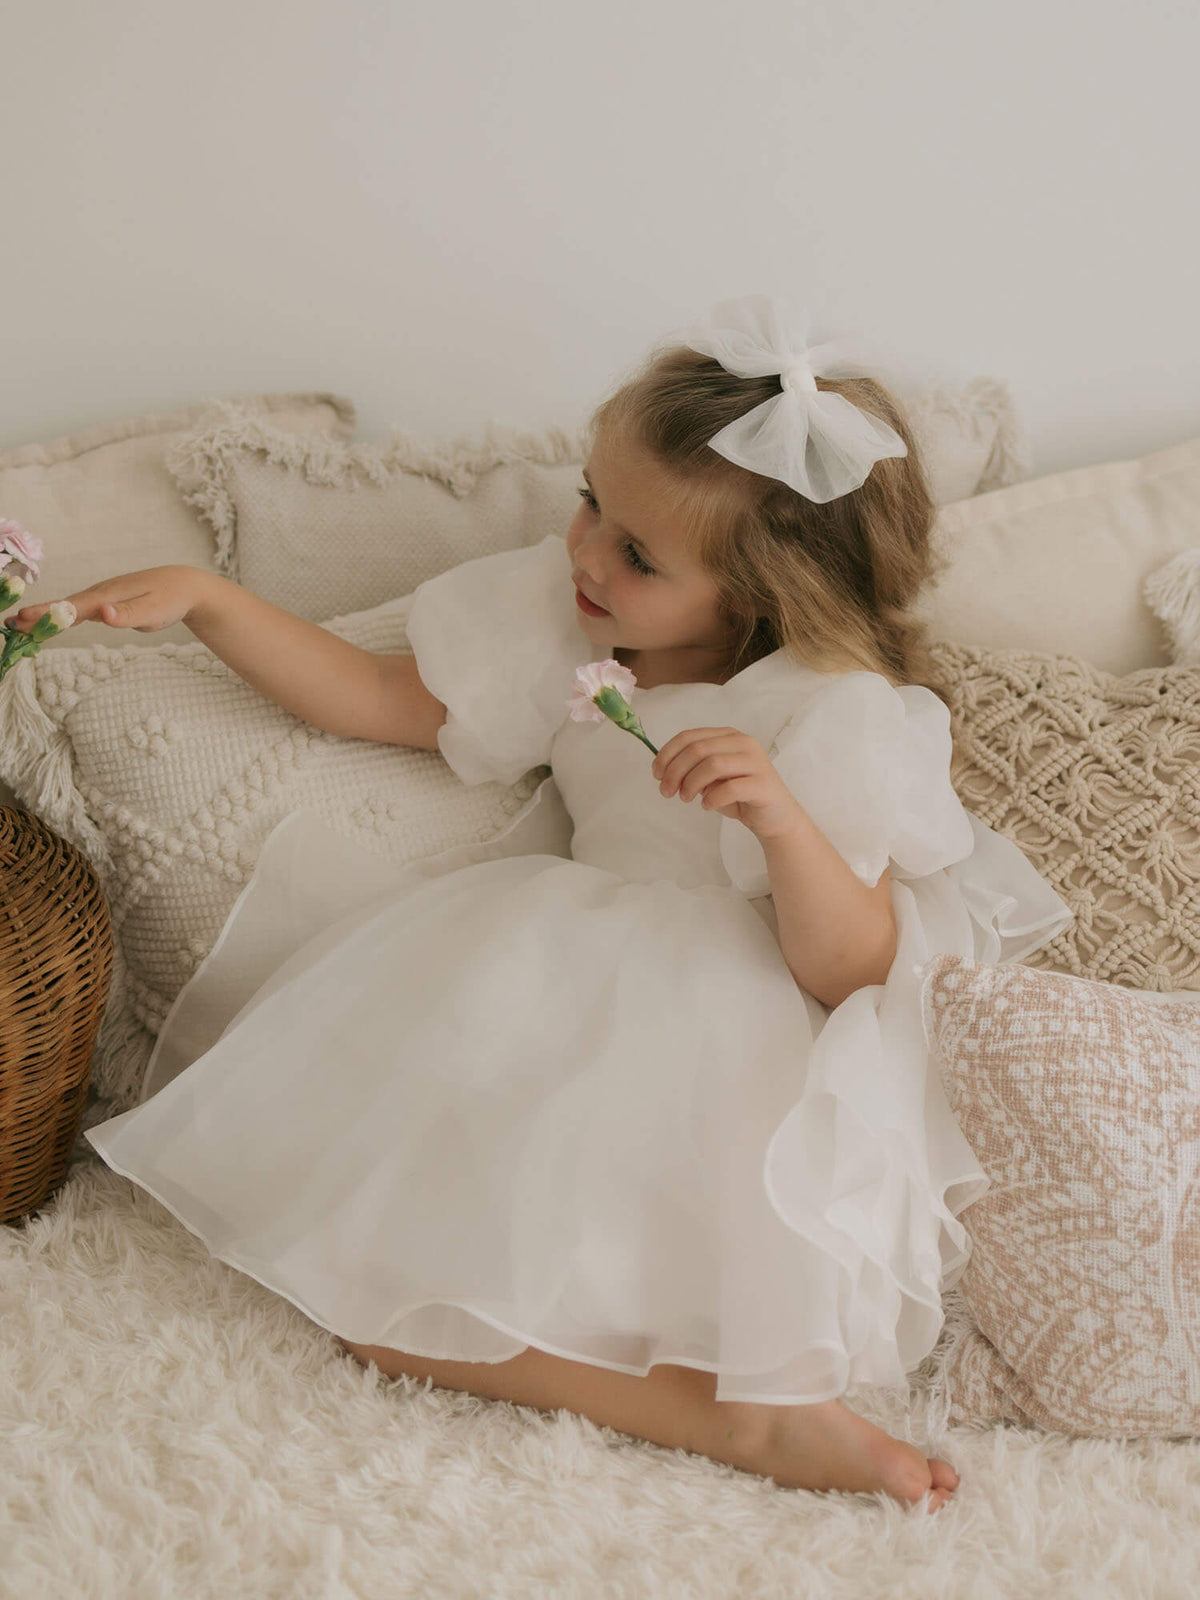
(828, 1446)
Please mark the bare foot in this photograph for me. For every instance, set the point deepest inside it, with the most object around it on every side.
(828, 1446)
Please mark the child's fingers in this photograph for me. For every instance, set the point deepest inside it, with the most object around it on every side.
(100, 603)
(24, 619)
(686, 752)
(710, 769)
(683, 741)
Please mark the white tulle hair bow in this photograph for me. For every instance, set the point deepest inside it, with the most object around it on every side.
(815, 441)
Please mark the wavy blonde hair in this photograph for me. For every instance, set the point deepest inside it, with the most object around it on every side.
(831, 585)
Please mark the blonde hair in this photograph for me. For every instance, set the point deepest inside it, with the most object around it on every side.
(831, 585)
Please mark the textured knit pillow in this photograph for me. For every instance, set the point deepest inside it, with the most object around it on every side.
(168, 771)
(1082, 1103)
(317, 525)
(1059, 563)
(1097, 779)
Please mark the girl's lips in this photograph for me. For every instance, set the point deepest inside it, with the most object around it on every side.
(586, 606)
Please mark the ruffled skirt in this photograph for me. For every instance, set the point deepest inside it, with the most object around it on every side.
(527, 1102)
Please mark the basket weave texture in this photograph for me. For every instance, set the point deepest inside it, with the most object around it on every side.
(56, 956)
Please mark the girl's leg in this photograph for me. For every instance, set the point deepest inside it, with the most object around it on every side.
(821, 1446)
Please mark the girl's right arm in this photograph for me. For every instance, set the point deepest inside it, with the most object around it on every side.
(335, 685)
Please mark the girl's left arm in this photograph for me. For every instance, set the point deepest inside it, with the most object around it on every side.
(836, 934)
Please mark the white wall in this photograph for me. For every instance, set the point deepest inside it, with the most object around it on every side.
(453, 213)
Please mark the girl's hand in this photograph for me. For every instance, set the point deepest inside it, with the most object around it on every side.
(148, 600)
(732, 774)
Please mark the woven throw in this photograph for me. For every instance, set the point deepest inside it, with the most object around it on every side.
(1097, 779)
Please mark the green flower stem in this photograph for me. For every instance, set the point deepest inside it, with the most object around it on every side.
(18, 644)
(617, 709)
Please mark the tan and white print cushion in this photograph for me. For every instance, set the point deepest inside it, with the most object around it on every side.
(1097, 779)
(168, 771)
(1081, 1101)
(319, 526)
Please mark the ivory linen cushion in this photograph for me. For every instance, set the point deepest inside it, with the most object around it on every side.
(1081, 1101)
(1172, 592)
(1059, 563)
(168, 771)
(1097, 779)
(103, 502)
(317, 525)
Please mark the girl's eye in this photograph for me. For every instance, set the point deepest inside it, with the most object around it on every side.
(631, 550)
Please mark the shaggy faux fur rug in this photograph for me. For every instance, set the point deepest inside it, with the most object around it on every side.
(173, 1431)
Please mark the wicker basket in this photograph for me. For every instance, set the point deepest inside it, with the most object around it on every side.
(56, 955)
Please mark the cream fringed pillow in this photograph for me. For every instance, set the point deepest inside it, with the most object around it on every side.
(168, 771)
(318, 526)
(1097, 779)
(322, 527)
(1082, 1102)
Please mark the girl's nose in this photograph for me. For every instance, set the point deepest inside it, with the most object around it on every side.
(589, 567)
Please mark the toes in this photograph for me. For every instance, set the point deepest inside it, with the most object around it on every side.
(942, 1474)
(936, 1499)
(929, 1484)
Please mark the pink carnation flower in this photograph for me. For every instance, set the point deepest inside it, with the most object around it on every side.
(589, 681)
(600, 690)
(23, 549)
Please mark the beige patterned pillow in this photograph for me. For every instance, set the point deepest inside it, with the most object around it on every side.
(317, 525)
(1082, 1103)
(168, 771)
(1097, 779)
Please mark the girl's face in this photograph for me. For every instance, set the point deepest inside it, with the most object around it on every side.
(630, 554)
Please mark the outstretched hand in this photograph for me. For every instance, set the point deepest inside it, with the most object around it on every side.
(148, 600)
(732, 774)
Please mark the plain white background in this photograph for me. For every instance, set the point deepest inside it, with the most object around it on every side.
(461, 212)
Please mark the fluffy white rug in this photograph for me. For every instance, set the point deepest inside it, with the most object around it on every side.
(173, 1431)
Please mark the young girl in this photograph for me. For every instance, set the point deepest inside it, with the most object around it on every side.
(652, 1133)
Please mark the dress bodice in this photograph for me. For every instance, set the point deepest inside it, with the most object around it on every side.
(623, 823)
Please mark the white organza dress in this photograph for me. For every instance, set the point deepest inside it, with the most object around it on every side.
(582, 1104)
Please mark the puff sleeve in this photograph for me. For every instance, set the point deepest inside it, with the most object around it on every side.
(497, 641)
(870, 764)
